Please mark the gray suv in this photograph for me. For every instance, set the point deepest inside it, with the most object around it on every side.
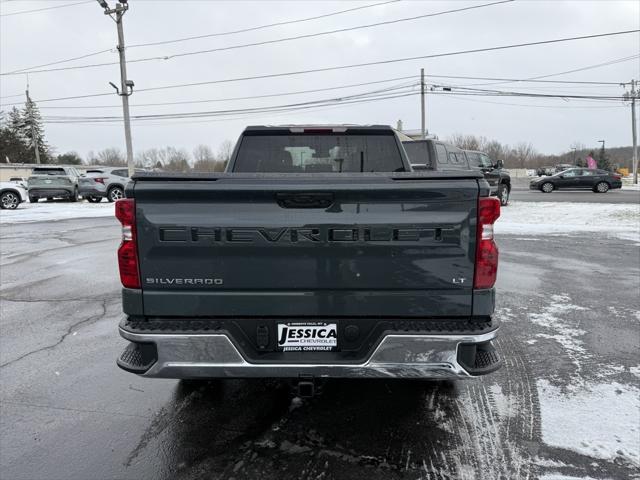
(53, 182)
(104, 182)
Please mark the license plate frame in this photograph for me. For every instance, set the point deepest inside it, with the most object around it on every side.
(307, 337)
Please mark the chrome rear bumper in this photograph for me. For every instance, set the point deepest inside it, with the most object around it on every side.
(397, 356)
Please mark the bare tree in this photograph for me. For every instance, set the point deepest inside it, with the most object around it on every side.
(203, 153)
(494, 149)
(205, 160)
(523, 153)
(92, 158)
(112, 157)
(466, 142)
(177, 160)
(225, 150)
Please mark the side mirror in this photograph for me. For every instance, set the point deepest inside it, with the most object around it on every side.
(561, 176)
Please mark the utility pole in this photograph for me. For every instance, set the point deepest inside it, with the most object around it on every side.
(126, 86)
(34, 137)
(423, 129)
(633, 94)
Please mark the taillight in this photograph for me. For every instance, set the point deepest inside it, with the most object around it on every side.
(486, 248)
(618, 177)
(99, 180)
(127, 252)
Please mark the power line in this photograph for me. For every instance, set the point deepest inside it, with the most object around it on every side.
(589, 67)
(357, 98)
(25, 70)
(324, 69)
(260, 27)
(13, 96)
(44, 8)
(397, 60)
(275, 108)
(249, 29)
(252, 97)
(513, 80)
(529, 105)
(532, 94)
(329, 32)
(266, 42)
(275, 75)
(364, 95)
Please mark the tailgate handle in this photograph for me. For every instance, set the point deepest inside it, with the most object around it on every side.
(304, 200)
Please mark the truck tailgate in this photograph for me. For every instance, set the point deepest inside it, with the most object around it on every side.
(307, 246)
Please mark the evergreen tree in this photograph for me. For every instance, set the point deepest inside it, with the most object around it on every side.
(69, 158)
(603, 160)
(12, 149)
(33, 130)
(13, 145)
(15, 123)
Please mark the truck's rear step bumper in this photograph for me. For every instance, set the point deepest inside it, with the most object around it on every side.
(397, 356)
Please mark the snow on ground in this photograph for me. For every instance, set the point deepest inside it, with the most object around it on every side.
(631, 186)
(558, 327)
(544, 218)
(54, 211)
(596, 420)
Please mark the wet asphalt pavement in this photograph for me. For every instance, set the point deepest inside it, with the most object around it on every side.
(564, 404)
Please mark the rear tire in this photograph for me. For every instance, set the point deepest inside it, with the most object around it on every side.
(547, 187)
(94, 199)
(503, 194)
(115, 193)
(9, 201)
(601, 187)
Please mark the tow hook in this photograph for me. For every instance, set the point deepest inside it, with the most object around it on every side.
(305, 386)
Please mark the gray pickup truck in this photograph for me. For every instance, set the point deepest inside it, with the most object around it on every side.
(436, 155)
(319, 253)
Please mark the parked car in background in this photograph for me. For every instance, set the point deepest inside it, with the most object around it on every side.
(53, 182)
(600, 181)
(20, 181)
(107, 182)
(546, 170)
(11, 195)
(561, 167)
(435, 155)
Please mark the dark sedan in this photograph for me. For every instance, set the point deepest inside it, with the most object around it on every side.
(599, 181)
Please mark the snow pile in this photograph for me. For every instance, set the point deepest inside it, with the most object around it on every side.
(544, 218)
(631, 186)
(597, 420)
(54, 211)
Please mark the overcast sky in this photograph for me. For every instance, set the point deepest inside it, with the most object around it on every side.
(551, 125)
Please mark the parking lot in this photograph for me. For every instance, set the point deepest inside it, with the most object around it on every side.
(565, 404)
